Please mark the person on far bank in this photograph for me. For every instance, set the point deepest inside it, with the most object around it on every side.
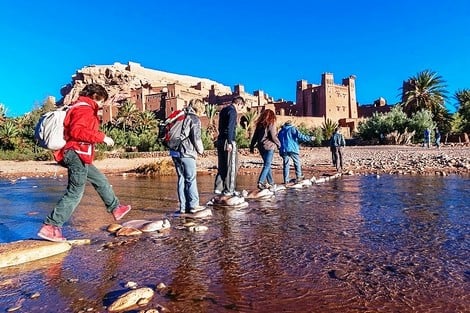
(290, 138)
(81, 132)
(265, 139)
(225, 180)
(185, 159)
(337, 143)
(437, 138)
(427, 138)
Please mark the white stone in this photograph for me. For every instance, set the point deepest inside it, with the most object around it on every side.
(131, 299)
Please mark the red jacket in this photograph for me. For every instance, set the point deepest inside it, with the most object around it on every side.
(81, 131)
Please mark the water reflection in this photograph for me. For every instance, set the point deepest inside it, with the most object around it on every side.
(359, 243)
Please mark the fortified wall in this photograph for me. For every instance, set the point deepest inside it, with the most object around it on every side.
(155, 91)
(162, 93)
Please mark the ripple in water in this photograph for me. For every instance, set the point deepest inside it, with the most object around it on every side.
(356, 244)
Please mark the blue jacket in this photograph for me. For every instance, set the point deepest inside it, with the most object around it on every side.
(337, 140)
(290, 137)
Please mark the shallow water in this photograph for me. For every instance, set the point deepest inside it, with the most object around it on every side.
(355, 244)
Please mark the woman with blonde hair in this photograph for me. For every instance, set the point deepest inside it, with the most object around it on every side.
(265, 139)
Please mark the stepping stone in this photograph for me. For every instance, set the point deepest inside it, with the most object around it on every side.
(23, 251)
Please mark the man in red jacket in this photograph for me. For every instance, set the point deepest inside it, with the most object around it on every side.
(81, 132)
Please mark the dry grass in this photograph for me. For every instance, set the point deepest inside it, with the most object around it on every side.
(161, 167)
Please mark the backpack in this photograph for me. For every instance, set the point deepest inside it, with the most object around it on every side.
(171, 131)
(49, 131)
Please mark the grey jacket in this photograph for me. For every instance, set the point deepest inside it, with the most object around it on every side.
(192, 146)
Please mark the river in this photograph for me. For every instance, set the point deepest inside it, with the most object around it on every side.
(354, 244)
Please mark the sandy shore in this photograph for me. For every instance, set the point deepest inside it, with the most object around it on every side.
(315, 161)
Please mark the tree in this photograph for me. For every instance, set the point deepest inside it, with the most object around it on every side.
(249, 119)
(146, 122)
(372, 127)
(426, 90)
(420, 121)
(463, 106)
(8, 135)
(395, 120)
(211, 111)
(127, 115)
(328, 128)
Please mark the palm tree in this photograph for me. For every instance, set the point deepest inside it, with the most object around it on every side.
(426, 90)
(8, 135)
(146, 122)
(328, 128)
(250, 117)
(463, 99)
(211, 111)
(127, 115)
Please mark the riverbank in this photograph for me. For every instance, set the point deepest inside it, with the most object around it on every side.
(414, 160)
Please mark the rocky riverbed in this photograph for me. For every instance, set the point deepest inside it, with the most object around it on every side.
(315, 161)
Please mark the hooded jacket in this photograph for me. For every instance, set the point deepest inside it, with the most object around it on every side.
(81, 131)
(191, 129)
(290, 137)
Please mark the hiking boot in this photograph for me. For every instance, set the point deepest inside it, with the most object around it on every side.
(51, 233)
(197, 208)
(299, 179)
(120, 211)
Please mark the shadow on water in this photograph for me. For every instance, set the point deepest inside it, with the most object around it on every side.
(355, 244)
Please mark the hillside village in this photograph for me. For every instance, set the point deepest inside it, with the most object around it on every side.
(162, 93)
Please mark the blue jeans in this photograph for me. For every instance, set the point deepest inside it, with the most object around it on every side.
(266, 172)
(286, 163)
(78, 175)
(188, 194)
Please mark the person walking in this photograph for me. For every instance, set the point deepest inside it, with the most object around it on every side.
(337, 142)
(427, 138)
(265, 139)
(81, 132)
(437, 138)
(290, 138)
(225, 180)
(185, 159)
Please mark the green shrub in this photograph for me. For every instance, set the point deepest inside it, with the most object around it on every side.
(207, 141)
(241, 138)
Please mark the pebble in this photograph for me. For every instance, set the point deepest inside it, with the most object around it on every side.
(14, 308)
(198, 228)
(112, 228)
(131, 299)
(131, 285)
(34, 295)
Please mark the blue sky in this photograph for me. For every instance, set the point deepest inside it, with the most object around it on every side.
(261, 44)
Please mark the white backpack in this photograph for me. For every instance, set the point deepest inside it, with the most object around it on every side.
(49, 131)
